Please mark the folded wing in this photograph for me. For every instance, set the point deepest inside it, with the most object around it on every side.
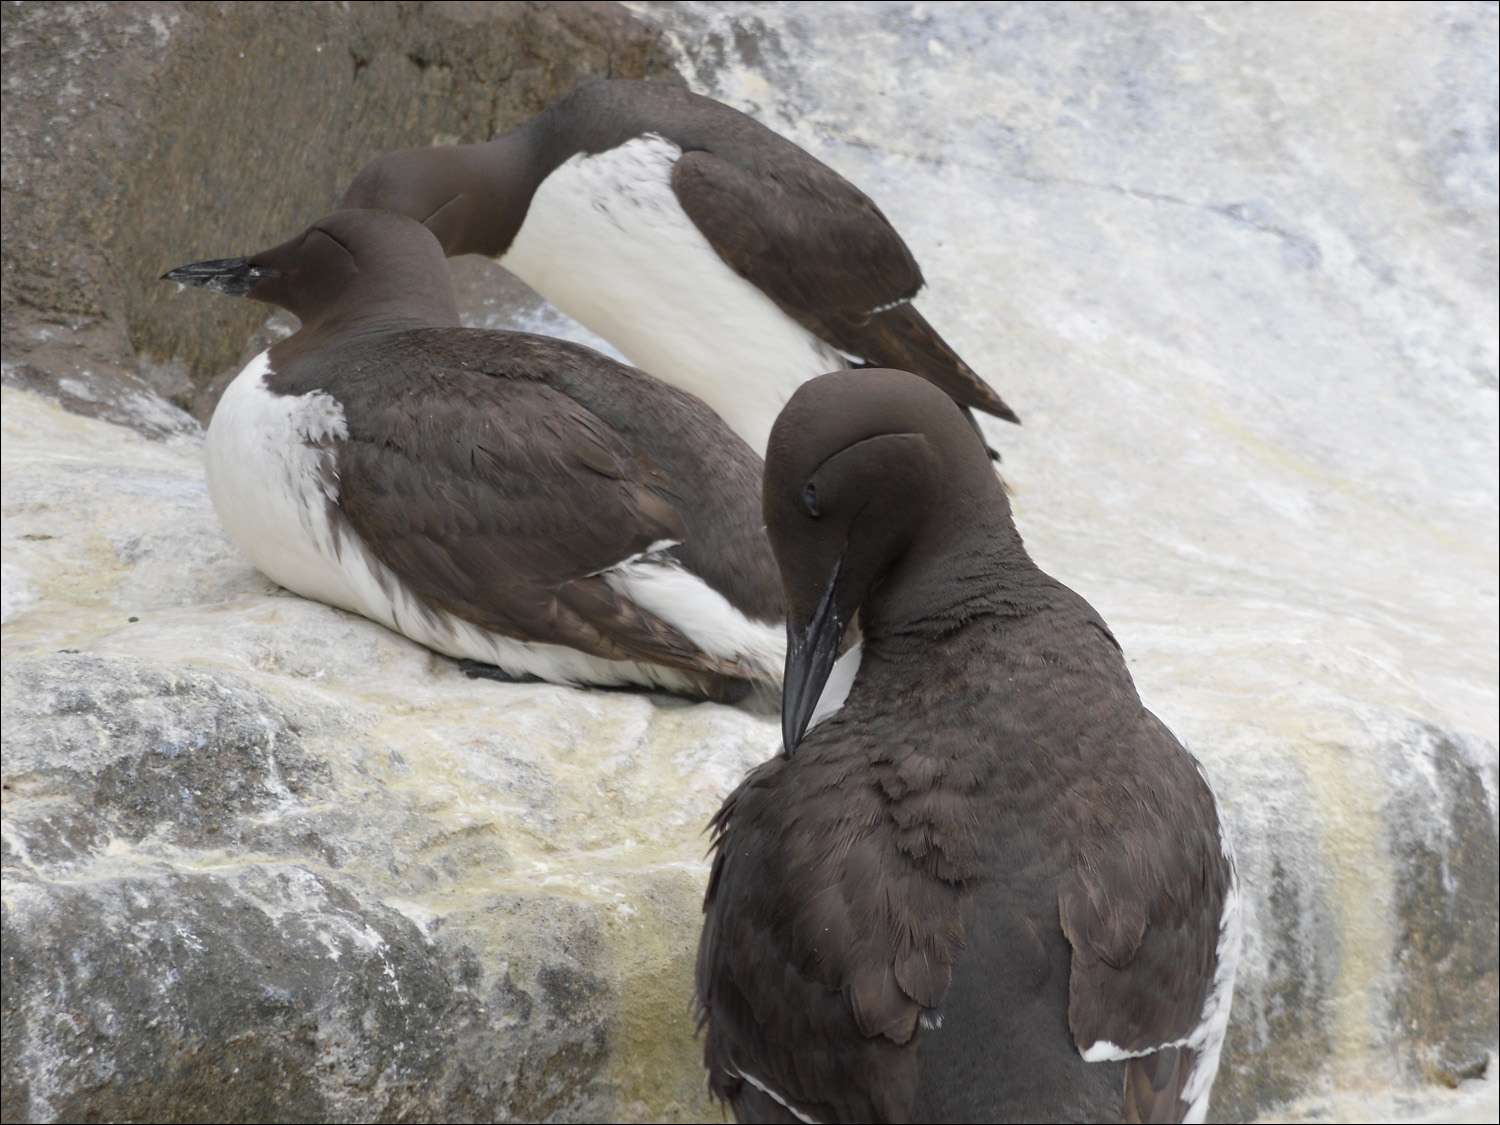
(506, 503)
(822, 250)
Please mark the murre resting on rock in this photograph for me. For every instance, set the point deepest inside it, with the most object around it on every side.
(712, 252)
(510, 499)
(988, 886)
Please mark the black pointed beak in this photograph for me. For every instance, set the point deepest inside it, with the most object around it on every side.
(810, 656)
(232, 276)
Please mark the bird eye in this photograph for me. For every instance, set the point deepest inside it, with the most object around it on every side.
(810, 498)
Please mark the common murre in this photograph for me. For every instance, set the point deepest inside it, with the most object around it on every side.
(506, 498)
(712, 252)
(989, 885)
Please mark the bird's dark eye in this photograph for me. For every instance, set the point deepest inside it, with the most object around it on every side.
(810, 498)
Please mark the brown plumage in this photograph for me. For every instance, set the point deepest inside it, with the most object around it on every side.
(991, 860)
(820, 248)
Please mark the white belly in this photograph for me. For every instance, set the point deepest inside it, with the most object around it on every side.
(272, 477)
(606, 241)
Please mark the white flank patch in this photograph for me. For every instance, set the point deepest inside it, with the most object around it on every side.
(836, 690)
(698, 611)
(1209, 1034)
(1207, 1038)
(778, 1099)
(272, 477)
(606, 241)
(1105, 1051)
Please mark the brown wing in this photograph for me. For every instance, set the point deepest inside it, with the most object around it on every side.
(821, 249)
(1154, 1086)
(503, 502)
(1143, 920)
(825, 936)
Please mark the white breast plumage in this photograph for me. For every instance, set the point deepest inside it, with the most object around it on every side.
(607, 242)
(272, 477)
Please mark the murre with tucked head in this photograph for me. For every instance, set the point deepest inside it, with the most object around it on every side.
(990, 885)
(714, 253)
(511, 499)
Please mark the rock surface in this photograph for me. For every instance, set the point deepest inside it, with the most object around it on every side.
(267, 861)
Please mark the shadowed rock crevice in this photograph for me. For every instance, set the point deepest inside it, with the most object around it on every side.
(1442, 834)
(1278, 1036)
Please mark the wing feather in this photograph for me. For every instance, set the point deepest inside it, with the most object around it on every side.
(503, 502)
(1143, 919)
(820, 248)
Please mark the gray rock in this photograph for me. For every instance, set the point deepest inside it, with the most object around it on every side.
(1440, 829)
(1372, 912)
(138, 139)
(175, 833)
(265, 992)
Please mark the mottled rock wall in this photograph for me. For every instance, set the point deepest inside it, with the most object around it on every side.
(142, 136)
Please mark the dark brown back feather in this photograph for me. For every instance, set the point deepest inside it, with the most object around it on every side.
(820, 248)
(499, 498)
(1154, 1085)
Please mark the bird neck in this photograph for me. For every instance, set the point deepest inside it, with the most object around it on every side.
(366, 312)
(493, 184)
(970, 565)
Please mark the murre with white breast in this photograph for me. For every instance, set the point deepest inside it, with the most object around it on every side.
(511, 499)
(712, 252)
(990, 885)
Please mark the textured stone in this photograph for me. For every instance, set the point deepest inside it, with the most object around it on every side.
(265, 860)
(138, 137)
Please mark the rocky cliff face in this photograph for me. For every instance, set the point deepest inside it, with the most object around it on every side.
(142, 136)
(267, 861)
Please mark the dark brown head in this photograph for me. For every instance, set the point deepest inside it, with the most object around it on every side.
(473, 198)
(348, 267)
(876, 488)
